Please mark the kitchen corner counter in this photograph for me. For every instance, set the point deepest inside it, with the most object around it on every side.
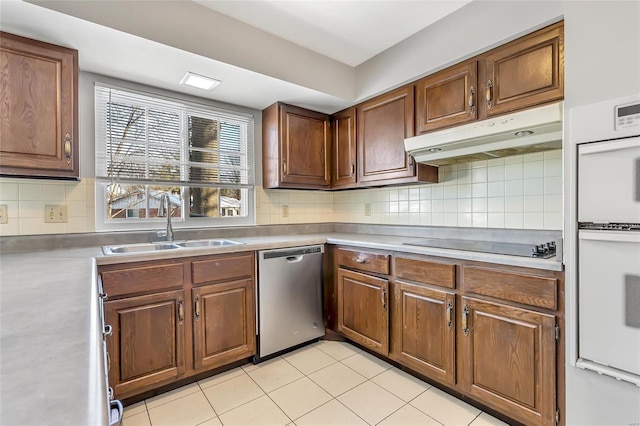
(51, 360)
(51, 365)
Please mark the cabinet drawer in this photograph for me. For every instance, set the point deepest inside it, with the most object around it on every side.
(521, 288)
(364, 261)
(222, 268)
(425, 271)
(141, 279)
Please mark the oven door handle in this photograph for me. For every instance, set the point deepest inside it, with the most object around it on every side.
(594, 148)
(618, 237)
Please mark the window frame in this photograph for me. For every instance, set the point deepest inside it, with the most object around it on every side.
(248, 201)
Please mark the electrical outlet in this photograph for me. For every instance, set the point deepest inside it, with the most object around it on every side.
(285, 210)
(55, 213)
(4, 213)
(367, 209)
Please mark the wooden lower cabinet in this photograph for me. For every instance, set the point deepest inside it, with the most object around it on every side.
(362, 309)
(223, 323)
(507, 359)
(424, 330)
(147, 348)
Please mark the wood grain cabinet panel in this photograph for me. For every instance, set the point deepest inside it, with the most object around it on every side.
(447, 98)
(222, 268)
(362, 309)
(424, 330)
(383, 124)
(147, 346)
(507, 359)
(223, 323)
(343, 153)
(38, 119)
(364, 261)
(426, 271)
(142, 278)
(527, 72)
(296, 147)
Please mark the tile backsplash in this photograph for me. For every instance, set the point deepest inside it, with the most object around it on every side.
(521, 192)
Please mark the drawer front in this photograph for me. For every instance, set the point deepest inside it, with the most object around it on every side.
(223, 268)
(425, 271)
(142, 279)
(521, 288)
(364, 261)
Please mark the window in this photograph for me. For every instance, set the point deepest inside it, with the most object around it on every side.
(147, 146)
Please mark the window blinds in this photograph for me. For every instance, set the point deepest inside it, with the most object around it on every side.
(140, 138)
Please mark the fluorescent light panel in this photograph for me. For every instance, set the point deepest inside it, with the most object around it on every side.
(199, 81)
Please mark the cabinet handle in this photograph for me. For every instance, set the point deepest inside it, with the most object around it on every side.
(284, 167)
(384, 298)
(360, 260)
(196, 308)
(180, 311)
(108, 331)
(470, 100)
(104, 296)
(488, 94)
(449, 310)
(67, 147)
(110, 393)
(353, 168)
(465, 328)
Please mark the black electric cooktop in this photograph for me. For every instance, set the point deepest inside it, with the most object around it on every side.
(544, 250)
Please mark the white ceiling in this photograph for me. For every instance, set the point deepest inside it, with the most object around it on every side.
(348, 31)
(119, 39)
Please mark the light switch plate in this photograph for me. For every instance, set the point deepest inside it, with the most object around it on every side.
(285, 210)
(367, 209)
(55, 213)
(4, 214)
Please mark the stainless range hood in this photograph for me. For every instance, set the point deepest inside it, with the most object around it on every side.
(533, 130)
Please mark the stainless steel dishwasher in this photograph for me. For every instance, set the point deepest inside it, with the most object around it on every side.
(289, 298)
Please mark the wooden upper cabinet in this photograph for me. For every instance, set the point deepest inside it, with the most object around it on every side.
(38, 119)
(295, 149)
(447, 98)
(343, 152)
(362, 309)
(424, 330)
(528, 71)
(147, 347)
(507, 358)
(223, 323)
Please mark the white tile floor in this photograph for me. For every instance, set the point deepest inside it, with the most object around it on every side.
(327, 383)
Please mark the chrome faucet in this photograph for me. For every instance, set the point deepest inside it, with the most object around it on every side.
(166, 210)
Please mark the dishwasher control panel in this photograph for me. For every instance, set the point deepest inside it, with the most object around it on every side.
(270, 254)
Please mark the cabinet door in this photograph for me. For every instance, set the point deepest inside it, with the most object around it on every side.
(304, 146)
(526, 72)
(38, 123)
(146, 349)
(447, 98)
(223, 323)
(343, 158)
(383, 124)
(508, 359)
(362, 309)
(424, 332)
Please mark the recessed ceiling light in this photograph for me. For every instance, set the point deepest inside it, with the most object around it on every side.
(523, 133)
(199, 81)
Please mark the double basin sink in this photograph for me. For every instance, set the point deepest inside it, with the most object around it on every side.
(166, 245)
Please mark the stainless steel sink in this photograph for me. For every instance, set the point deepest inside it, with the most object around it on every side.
(208, 243)
(161, 246)
(139, 248)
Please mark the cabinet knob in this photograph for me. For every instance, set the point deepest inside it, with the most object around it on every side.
(489, 94)
(360, 260)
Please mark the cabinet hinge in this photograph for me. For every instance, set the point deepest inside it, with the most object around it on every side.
(557, 332)
(557, 416)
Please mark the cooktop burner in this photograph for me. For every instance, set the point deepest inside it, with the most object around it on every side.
(544, 251)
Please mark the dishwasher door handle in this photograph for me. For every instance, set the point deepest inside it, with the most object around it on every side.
(294, 259)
